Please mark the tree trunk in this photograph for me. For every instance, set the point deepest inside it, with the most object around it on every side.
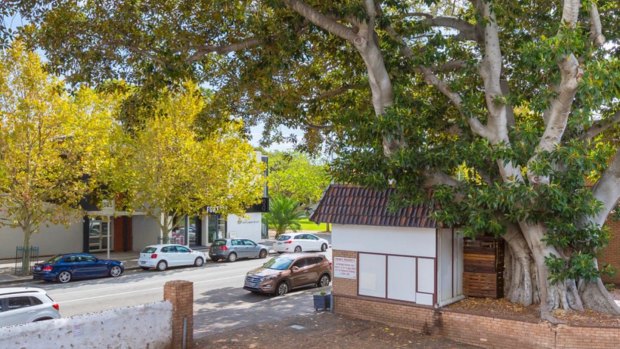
(26, 256)
(518, 276)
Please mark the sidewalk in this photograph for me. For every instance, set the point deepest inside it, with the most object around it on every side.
(130, 258)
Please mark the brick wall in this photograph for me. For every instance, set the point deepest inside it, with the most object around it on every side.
(611, 254)
(345, 287)
(488, 332)
(477, 330)
(181, 295)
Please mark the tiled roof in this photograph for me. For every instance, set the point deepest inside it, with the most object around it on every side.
(347, 204)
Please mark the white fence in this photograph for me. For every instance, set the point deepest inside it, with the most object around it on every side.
(142, 326)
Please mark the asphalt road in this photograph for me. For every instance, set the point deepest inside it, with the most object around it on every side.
(220, 303)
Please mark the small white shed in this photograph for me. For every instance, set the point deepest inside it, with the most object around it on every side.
(387, 256)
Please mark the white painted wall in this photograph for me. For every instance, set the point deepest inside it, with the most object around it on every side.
(52, 239)
(247, 227)
(145, 231)
(142, 326)
(450, 267)
(418, 242)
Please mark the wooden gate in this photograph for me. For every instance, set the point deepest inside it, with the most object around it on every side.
(483, 267)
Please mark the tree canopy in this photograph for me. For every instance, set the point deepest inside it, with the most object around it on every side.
(171, 171)
(54, 147)
(297, 176)
(508, 110)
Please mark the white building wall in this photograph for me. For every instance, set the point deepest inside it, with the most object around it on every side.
(247, 227)
(410, 252)
(142, 326)
(418, 242)
(145, 231)
(52, 239)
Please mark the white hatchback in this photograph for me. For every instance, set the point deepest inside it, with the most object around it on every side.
(299, 242)
(19, 305)
(161, 257)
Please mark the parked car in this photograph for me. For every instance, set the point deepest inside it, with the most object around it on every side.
(163, 256)
(19, 305)
(67, 267)
(287, 272)
(298, 242)
(232, 249)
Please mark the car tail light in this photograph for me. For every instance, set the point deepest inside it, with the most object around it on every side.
(56, 306)
(47, 268)
(288, 242)
(154, 255)
(224, 248)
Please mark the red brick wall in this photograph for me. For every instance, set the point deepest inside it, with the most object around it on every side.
(482, 331)
(477, 330)
(181, 294)
(611, 254)
(346, 287)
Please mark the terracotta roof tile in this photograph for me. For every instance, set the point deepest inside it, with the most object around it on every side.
(347, 204)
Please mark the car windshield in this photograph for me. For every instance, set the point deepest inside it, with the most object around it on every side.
(54, 259)
(284, 237)
(149, 249)
(279, 263)
(219, 242)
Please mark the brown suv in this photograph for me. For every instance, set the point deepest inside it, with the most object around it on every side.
(286, 272)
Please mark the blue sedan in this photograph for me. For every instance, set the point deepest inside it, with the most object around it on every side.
(67, 267)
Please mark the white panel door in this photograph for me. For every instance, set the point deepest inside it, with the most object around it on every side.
(402, 278)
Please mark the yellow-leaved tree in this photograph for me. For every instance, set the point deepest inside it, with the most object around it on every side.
(176, 172)
(53, 145)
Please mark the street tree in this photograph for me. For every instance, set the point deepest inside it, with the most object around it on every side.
(173, 172)
(53, 145)
(508, 110)
(297, 176)
(284, 213)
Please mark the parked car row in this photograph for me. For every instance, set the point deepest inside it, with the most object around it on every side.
(72, 266)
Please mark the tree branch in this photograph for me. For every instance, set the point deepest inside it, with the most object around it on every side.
(570, 12)
(224, 49)
(476, 126)
(601, 126)
(596, 29)
(321, 20)
(467, 31)
(558, 113)
(607, 190)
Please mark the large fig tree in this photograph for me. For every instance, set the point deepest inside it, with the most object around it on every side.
(507, 109)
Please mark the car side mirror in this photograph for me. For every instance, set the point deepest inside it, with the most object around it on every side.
(295, 269)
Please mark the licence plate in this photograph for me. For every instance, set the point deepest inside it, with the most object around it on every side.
(142, 262)
(37, 268)
(252, 284)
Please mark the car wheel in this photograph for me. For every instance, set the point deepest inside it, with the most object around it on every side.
(323, 281)
(232, 257)
(262, 254)
(64, 277)
(323, 247)
(116, 271)
(144, 268)
(162, 265)
(282, 289)
(297, 248)
(199, 262)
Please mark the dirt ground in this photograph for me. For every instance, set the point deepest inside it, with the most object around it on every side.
(327, 330)
(324, 330)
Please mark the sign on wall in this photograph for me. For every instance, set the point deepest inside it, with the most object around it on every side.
(345, 268)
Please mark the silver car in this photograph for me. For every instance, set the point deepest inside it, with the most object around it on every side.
(19, 305)
(233, 249)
